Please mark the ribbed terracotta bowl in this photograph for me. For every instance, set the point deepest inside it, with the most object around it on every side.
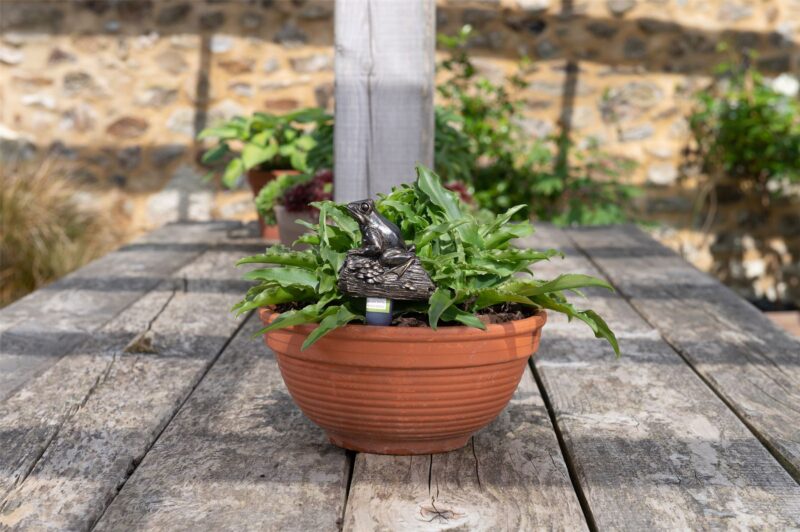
(399, 390)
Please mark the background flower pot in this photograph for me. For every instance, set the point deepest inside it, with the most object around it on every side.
(288, 228)
(257, 179)
(395, 390)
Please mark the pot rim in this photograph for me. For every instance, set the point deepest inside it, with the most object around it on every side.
(450, 333)
(273, 171)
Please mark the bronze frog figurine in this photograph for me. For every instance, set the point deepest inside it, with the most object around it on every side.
(384, 266)
(381, 239)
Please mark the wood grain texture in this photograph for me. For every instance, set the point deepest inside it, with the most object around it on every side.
(652, 447)
(749, 361)
(238, 456)
(82, 302)
(65, 471)
(384, 94)
(510, 477)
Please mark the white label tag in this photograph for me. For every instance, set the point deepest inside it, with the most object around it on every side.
(378, 304)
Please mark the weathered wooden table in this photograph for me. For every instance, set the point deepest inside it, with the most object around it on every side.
(131, 399)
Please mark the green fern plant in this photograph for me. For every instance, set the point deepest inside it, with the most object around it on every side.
(471, 261)
(265, 141)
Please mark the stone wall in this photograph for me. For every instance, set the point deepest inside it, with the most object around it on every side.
(117, 89)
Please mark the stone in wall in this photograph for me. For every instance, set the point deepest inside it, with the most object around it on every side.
(37, 16)
(235, 66)
(225, 110)
(578, 117)
(319, 10)
(281, 105)
(250, 21)
(10, 56)
(157, 96)
(312, 63)
(127, 127)
(271, 65)
(165, 155)
(172, 15)
(221, 44)
(58, 56)
(79, 82)
(630, 101)
(134, 11)
(130, 157)
(40, 100)
(181, 121)
(634, 48)
(212, 21)
(662, 174)
(639, 132)
(534, 6)
(241, 88)
(602, 30)
(172, 62)
(734, 11)
(619, 8)
(291, 36)
(535, 127)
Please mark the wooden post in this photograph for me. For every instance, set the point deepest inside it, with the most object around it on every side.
(384, 94)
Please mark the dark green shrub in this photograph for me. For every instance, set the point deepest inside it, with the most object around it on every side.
(556, 181)
(747, 131)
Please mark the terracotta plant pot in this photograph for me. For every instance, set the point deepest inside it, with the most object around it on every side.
(399, 390)
(288, 227)
(257, 179)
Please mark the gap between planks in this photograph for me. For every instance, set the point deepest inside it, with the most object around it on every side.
(136, 463)
(565, 450)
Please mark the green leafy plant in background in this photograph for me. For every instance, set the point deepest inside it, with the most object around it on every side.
(746, 130)
(264, 141)
(270, 195)
(320, 156)
(471, 261)
(559, 182)
(453, 155)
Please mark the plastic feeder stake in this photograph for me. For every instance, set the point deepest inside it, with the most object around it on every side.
(379, 311)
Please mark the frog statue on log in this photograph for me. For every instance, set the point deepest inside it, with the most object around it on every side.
(384, 266)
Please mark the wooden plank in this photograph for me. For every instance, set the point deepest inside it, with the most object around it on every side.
(32, 417)
(129, 395)
(749, 361)
(384, 94)
(45, 325)
(510, 477)
(238, 456)
(651, 446)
